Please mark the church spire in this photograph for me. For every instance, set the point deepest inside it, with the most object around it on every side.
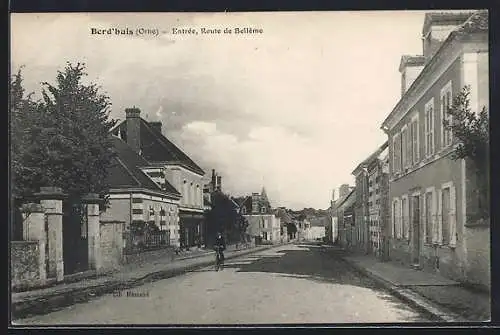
(263, 193)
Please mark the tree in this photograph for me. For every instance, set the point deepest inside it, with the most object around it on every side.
(62, 140)
(224, 217)
(22, 120)
(472, 131)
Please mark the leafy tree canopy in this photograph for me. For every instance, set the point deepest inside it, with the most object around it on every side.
(63, 139)
(471, 128)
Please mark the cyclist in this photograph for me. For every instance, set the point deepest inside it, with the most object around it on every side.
(220, 246)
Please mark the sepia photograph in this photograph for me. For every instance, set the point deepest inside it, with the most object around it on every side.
(249, 168)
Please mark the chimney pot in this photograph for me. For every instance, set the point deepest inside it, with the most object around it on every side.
(132, 112)
(156, 125)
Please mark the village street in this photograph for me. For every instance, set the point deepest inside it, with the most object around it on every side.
(303, 283)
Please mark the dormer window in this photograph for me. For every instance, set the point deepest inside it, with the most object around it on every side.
(263, 210)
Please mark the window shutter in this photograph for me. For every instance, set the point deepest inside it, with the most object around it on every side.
(400, 226)
(423, 216)
(433, 121)
(440, 217)
(449, 117)
(453, 217)
(407, 219)
(393, 219)
(417, 127)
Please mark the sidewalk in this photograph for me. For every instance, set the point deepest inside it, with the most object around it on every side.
(443, 298)
(48, 299)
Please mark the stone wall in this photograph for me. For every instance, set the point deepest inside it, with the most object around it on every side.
(25, 264)
(478, 269)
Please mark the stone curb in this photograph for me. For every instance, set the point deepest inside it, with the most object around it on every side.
(52, 302)
(416, 300)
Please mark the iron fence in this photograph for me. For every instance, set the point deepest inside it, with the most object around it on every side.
(135, 242)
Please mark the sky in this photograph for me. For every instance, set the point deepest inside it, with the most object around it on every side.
(295, 108)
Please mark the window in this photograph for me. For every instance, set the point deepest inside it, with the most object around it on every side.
(404, 152)
(185, 192)
(447, 211)
(244, 210)
(263, 209)
(406, 217)
(415, 139)
(446, 101)
(429, 216)
(396, 153)
(429, 128)
(396, 219)
(151, 213)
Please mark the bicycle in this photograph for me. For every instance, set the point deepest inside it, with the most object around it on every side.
(219, 258)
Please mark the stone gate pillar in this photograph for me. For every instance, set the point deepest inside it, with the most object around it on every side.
(92, 201)
(51, 201)
(34, 230)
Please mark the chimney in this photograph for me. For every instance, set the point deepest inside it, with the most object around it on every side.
(410, 67)
(333, 194)
(156, 125)
(214, 181)
(437, 27)
(219, 183)
(134, 128)
(343, 190)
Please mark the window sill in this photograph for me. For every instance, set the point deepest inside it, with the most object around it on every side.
(423, 162)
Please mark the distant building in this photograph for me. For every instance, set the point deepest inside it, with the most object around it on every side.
(344, 215)
(368, 201)
(263, 222)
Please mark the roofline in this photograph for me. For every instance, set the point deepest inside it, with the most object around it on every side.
(143, 190)
(345, 199)
(451, 37)
(365, 163)
(128, 170)
(200, 172)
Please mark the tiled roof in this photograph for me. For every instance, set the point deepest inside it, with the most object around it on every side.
(372, 157)
(157, 148)
(125, 172)
(340, 202)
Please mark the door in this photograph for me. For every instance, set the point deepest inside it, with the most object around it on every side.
(75, 243)
(415, 236)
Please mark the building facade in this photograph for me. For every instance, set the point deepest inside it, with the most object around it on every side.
(345, 216)
(167, 163)
(136, 199)
(378, 201)
(263, 222)
(430, 193)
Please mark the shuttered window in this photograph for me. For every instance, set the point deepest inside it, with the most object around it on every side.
(445, 104)
(396, 153)
(406, 217)
(429, 128)
(404, 143)
(429, 210)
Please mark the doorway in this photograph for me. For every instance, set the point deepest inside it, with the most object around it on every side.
(415, 236)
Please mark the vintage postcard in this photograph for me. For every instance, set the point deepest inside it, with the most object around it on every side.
(249, 168)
